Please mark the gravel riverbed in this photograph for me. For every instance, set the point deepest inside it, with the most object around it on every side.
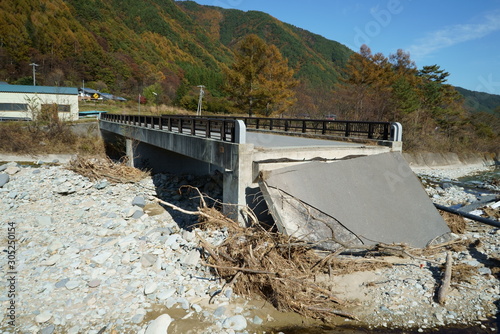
(97, 257)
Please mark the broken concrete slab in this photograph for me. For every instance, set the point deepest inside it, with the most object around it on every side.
(365, 200)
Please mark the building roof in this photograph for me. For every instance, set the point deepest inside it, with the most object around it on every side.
(89, 90)
(113, 97)
(38, 89)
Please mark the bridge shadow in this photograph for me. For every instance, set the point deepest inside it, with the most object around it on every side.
(177, 189)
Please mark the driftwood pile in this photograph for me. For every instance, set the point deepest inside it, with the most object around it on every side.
(282, 270)
(105, 168)
(257, 261)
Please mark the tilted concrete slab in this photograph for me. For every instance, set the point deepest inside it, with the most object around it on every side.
(364, 200)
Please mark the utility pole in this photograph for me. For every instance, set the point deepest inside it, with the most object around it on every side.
(34, 71)
(139, 103)
(198, 112)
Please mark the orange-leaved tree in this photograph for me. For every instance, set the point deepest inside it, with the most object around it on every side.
(259, 80)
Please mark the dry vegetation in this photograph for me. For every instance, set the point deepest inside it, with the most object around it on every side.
(57, 137)
(291, 275)
(455, 223)
(104, 168)
(284, 271)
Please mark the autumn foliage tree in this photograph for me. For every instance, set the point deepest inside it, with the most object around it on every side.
(259, 80)
(379, 88)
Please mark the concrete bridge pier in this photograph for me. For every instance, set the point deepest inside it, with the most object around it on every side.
(236, 183)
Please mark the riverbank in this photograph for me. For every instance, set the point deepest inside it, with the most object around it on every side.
(94, 254)
(460, 163)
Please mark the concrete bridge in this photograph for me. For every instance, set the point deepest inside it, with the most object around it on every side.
(242, 147)
(255, 156)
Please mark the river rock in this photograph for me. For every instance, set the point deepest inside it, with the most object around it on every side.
(139, 201)
(4, 179)
(57, 244)
(148, 260)
(65, 188)
(159, 325)
(48, 330)
(101, 258)
(150, 287)
(101, 185)
(61, 283)
(237, 323)
(94, 283)
(12, 170)
(257, 320)
(43, 317)
(192, 258)
(70, 285)
(166, 294)
(44, 221)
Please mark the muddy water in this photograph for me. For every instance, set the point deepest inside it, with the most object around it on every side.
(291, 323)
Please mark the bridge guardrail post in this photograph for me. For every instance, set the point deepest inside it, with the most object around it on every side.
(396, 131)
(224, 130)
(208, 128)
(370, 131)
(239, 132)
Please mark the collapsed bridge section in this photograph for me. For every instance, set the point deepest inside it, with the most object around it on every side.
(360, 201)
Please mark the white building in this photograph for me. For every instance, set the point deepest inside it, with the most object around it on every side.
(26, 102)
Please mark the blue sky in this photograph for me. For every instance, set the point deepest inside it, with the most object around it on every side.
(461, 36)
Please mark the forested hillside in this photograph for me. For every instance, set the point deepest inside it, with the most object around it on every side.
(126, 46)
(479, 101)
(164, 49)
(119, 46)
(317, 59)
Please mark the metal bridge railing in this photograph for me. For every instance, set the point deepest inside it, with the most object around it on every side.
(348, 129)
(223, 127)
(218, 129)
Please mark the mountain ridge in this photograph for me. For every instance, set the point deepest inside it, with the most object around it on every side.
(125, 46)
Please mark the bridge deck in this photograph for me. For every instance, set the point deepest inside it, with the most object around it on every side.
(266, 140)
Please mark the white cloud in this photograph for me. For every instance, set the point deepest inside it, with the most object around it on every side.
(455, 34)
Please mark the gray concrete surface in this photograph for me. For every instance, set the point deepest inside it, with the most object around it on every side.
(449, 159)
(240, 163)
(267, 140)
(364, 200)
